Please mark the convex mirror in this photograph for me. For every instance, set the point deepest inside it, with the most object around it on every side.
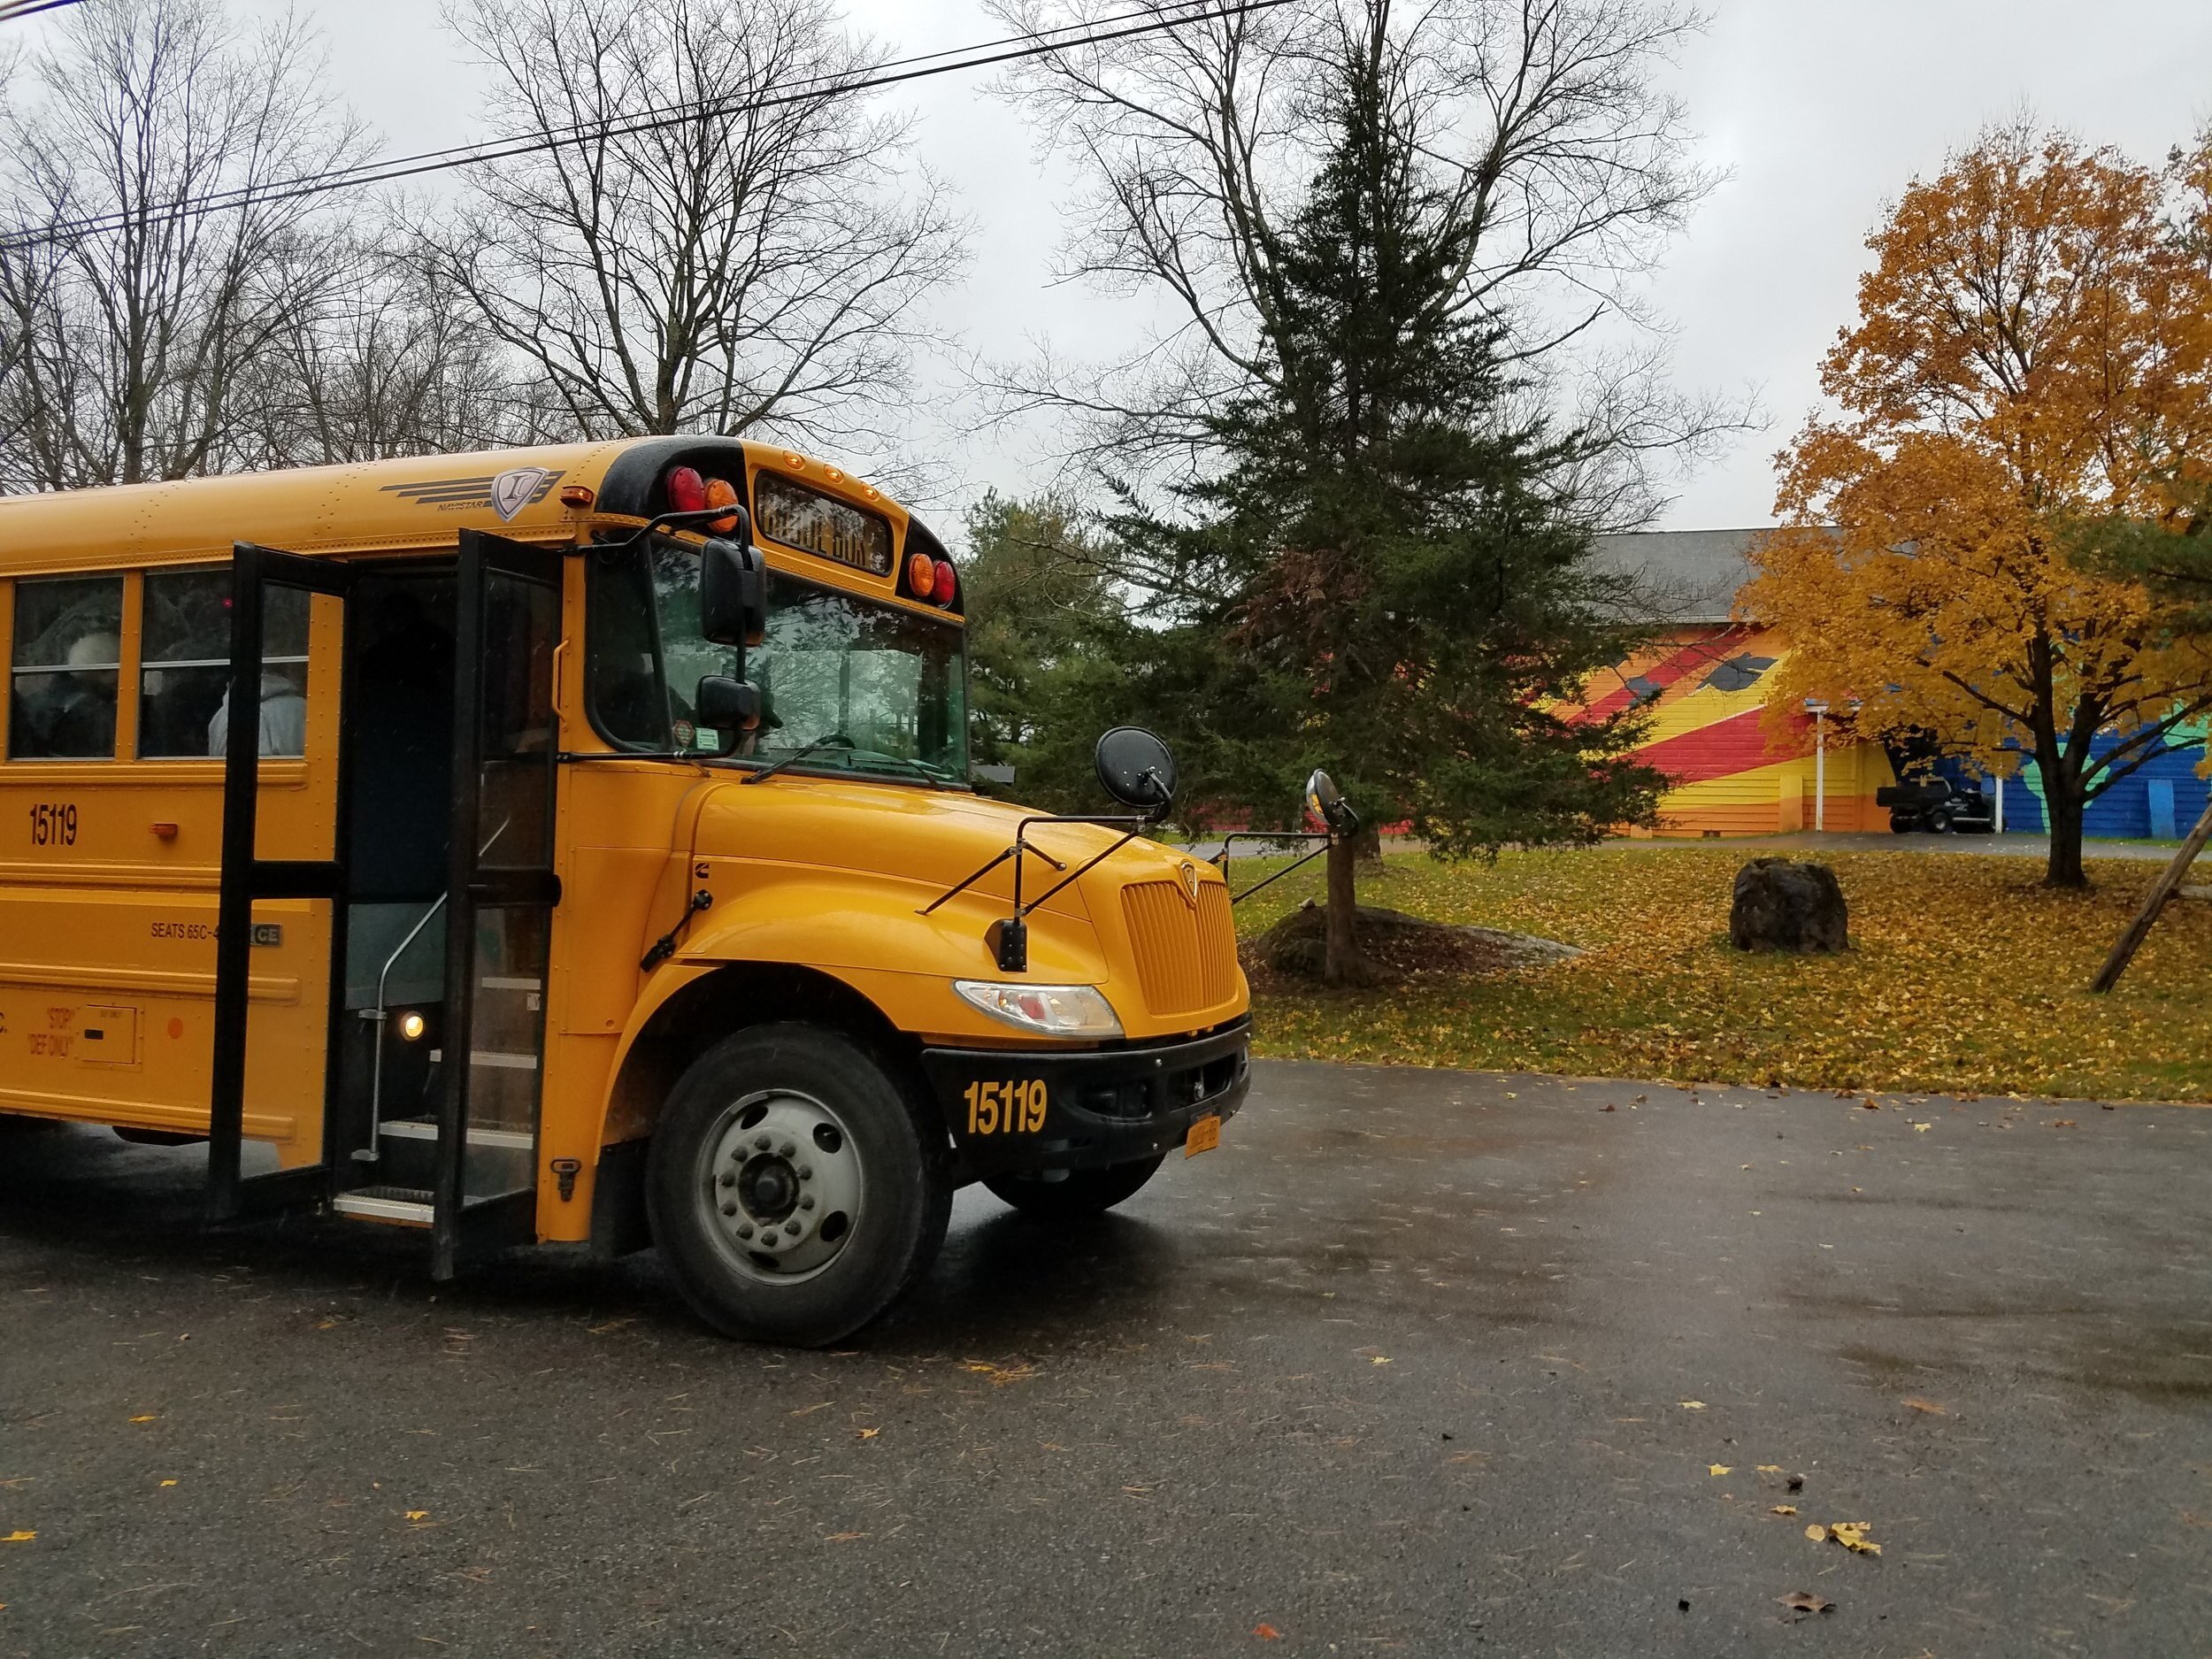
(1326, 801)
(1135, 768)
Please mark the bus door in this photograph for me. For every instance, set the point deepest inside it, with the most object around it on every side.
(500, 893)
(279, 920)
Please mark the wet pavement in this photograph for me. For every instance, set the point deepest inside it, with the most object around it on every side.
(1419, 1363)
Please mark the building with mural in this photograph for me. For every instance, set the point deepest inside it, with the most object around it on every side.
(1735, 774)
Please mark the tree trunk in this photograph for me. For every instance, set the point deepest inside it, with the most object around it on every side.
(1344, 963)
(2063, 807)
(1367, 850)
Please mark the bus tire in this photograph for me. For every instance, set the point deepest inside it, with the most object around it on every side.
(1084, 1192)
(796, 1139)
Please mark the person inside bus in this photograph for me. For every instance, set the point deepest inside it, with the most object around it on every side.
(283, 719)
(77, 715)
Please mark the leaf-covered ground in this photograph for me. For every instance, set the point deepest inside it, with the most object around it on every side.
(1965, 977)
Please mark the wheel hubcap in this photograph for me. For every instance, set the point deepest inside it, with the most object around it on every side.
(783, 1185)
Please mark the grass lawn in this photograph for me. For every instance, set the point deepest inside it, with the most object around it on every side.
(1965, 977)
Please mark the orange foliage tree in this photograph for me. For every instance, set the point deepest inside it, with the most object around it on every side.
(2034, 355)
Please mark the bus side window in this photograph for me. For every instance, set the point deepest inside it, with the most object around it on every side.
(66, 655)
(184, 667)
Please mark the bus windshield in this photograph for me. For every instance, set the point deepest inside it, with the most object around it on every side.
(871, 688)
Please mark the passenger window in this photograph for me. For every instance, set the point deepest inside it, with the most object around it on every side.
(184, 670)
(67, 653)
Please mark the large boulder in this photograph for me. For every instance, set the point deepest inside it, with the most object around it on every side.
(1782, 905)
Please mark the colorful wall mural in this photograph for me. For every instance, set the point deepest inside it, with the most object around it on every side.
(1735, 775)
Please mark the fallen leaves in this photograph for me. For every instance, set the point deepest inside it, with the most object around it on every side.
(1267, 1633)
(1850, 1534)
(867, 1434)
(1691, 1405)
(1806, 1601)
(17, 1538)
(1718, 1470)
(1950, 988)
(1000, 1376)
(1926, 1406)
(1783, 1509)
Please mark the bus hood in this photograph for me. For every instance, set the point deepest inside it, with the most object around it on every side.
(932, 838)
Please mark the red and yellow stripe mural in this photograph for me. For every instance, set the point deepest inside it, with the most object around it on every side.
(1731, 774)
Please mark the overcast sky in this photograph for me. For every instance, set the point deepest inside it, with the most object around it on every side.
(1821, 110)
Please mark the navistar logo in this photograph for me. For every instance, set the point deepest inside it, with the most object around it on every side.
(506, 494)
(1190, 883)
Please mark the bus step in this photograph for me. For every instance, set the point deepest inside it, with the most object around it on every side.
(505, 1062)
(409, 1206)
(479, 1135)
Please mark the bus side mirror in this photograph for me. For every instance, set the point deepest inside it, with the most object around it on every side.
(731, 707)
(733, 594)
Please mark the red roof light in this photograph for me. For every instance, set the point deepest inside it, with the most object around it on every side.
(687, 490)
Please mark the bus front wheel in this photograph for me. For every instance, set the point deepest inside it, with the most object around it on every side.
(797, 1190)
(1078, 1193)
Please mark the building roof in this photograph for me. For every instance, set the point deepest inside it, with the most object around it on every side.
(1681, 576)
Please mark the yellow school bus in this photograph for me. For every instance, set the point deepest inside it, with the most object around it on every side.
(575, 845)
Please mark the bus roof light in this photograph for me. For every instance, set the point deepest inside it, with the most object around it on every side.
(721, 493)
(948, 582)
(921, 575)
(577, 496)
(687, 490)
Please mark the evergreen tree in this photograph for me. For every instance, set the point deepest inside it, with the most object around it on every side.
(1394, 570)
(1046, 645)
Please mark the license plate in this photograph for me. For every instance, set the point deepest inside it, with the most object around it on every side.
(1204, 1136)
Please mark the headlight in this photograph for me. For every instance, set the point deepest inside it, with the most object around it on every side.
(1054, 1010)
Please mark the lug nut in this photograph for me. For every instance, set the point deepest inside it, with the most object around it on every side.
(744, 1228)
(786, 1150)
(806, 1172)
(762, 1141)
(729, 1209)
(806, 1200)
(792, 1227)
(728, 1179)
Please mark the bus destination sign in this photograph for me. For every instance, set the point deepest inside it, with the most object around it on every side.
(789, 511)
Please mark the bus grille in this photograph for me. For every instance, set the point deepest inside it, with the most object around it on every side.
(1187, 959)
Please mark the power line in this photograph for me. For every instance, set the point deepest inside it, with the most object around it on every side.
(1161, 15)
(11, 9)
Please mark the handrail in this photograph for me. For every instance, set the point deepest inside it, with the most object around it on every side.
(380, 1012)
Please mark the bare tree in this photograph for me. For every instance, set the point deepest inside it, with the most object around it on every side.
(1541, 121)
(395, 364)
(139, 308)
(755, 259)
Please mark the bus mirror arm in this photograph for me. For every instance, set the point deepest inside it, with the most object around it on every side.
(1009, 937)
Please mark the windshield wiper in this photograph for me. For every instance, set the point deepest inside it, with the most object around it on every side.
(876, 760)
(793, 758)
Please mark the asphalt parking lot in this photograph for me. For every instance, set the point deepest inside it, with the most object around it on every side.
(1418, 1362)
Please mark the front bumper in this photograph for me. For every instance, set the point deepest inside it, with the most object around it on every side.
(1013, 1112)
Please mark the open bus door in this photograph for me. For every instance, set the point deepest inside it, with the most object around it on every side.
(501, 889)
(279, 939)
